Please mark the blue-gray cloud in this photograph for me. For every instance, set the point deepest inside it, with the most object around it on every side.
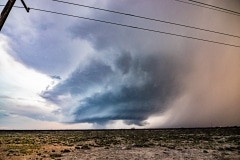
(55, 77)
(3, 114)
(80, 81)
(123, 81)
(129, 102)
(150, 83)
(124, 62)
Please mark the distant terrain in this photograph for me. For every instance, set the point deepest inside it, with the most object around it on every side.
(195, 143)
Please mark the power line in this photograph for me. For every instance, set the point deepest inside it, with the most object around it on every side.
(194, 4)
(134, 27)
(224, 9)
(147, 18)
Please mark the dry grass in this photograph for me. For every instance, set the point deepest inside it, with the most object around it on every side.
(211, 143)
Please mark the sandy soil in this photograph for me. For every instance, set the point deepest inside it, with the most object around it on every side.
(154, 153)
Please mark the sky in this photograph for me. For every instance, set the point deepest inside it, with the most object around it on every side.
(60, 72)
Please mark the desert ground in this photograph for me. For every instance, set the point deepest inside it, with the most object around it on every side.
(133, 144)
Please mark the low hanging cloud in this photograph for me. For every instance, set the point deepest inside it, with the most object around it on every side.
(129, 89)
(128, 101)
(80, 81)
(187, 83)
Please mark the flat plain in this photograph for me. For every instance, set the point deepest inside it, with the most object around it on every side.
(191, 143)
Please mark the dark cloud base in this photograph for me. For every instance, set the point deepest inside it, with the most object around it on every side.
(126, 80)
(150, 83)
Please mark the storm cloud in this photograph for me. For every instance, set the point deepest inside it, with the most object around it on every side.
(129, 90)
(133, 79)
(88, 74)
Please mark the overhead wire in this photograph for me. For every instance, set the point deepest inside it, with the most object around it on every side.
(224, 9)
(146, 18)
(133, 27)
(194, 4)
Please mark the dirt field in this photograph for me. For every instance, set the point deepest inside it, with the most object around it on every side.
(211, 143)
